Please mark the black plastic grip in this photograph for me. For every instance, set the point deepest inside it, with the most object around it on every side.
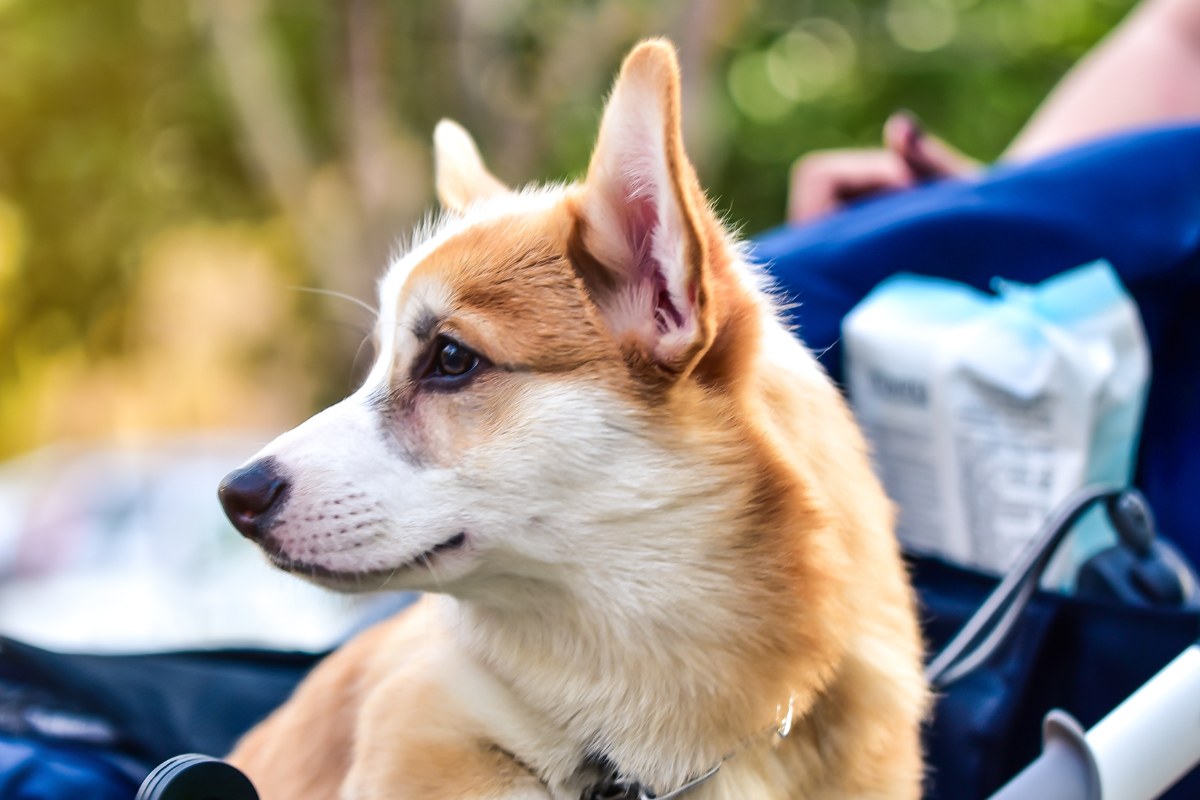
(196, 777)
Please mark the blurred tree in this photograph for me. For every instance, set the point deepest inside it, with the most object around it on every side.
(168, 169)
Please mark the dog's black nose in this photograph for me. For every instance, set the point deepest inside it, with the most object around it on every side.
(251, 494)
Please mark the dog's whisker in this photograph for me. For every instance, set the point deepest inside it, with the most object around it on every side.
(437, 581)
(383, 584)
(354, 326)
(357, 353)
(374, 312)
(832, 345)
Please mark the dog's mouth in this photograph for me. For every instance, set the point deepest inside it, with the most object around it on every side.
(324, 574)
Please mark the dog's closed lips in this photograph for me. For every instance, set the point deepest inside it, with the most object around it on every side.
(341, 579)
(453, 543)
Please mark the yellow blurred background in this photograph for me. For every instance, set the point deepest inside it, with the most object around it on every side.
(174, 176)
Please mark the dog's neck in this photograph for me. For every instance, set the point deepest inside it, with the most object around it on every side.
(659, 711)
(660, 678)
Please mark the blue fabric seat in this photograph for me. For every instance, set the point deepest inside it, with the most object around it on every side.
(36, 770)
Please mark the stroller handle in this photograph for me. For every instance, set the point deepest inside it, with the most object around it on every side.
(1137, 752)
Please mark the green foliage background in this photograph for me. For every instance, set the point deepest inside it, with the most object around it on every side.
(120, 125)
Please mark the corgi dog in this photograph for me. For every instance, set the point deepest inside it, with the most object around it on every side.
(658, 562)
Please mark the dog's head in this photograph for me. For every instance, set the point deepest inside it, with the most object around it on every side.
(547, 397)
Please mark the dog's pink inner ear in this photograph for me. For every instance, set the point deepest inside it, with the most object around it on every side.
(638, 223)
(649, 266)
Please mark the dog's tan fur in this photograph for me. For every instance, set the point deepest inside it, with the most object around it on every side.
(749, 563)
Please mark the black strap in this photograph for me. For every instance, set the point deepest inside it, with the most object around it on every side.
(990, 626)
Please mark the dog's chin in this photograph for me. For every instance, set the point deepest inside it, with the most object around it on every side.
(426, 569)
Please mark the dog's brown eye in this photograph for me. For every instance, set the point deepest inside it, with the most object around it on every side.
(448, 365)
(452, 360)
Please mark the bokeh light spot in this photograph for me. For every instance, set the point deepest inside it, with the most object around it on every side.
(921, 25)
(810, 60)
(752, 89)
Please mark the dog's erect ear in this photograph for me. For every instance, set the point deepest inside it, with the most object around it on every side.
(642, 207)
(462, 177)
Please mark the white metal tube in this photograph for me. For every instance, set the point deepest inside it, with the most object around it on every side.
(1152, 739)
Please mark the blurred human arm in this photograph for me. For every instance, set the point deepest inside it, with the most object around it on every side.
(1146, 72)
(825, 180)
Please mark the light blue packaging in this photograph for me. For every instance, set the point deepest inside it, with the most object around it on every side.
(985, 411)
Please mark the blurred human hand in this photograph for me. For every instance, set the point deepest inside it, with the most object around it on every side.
(827, 180)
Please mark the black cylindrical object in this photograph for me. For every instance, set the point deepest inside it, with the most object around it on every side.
(196, 777)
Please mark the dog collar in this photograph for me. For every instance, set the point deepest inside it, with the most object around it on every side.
(613, 787)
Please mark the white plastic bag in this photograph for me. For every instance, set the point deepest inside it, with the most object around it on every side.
(985, 411)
